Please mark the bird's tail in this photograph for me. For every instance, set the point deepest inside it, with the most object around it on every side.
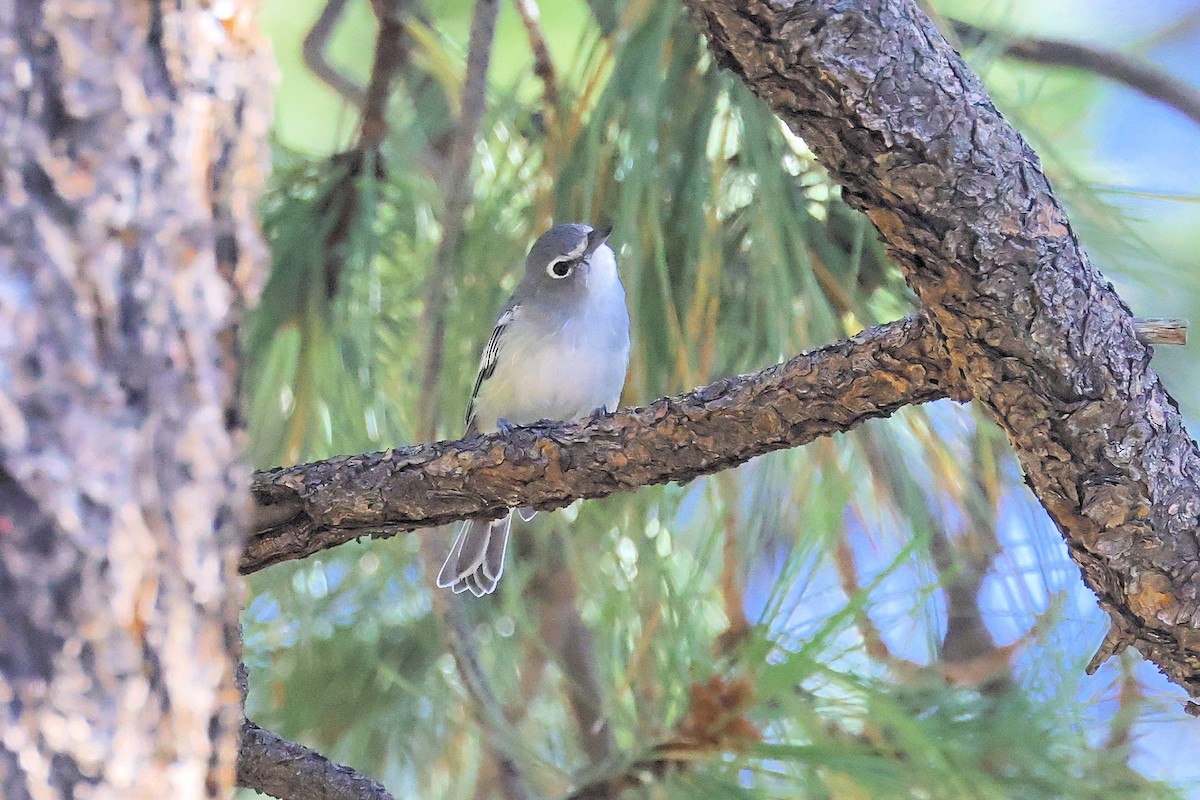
(476, 559)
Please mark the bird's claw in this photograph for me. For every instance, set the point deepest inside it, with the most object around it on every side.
(504, 426)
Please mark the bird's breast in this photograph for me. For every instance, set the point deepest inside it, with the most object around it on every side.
(560, 370)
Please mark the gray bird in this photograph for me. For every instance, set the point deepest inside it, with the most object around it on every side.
(559, 351)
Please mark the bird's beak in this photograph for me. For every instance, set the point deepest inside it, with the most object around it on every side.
(597, 237)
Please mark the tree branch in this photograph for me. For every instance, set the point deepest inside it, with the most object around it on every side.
(1042, 340)
(391, 52)
(313, 51)
(272, 765)
(543, 64)
(304, 509)
(1134, 73)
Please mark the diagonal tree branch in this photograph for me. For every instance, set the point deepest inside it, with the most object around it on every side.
(1042, 340)
(391, 53)
(543, 64)
(1133, 72)
(304, 509)
(290, 771)
(313, 51)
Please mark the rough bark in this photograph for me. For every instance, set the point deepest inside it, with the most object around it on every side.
(304, 509)
(1040, 338)
(291, 771)
(131, 156)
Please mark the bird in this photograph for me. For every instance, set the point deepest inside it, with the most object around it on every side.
(559, 351)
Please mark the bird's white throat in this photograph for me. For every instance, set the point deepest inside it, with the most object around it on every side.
(602, 275)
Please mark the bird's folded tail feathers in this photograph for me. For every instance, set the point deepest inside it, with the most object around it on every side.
(476, 559)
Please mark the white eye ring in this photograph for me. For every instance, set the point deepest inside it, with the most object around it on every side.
(560, 268)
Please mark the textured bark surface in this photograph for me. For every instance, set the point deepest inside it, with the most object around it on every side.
(291, 771)
(1040, 338)
(132, 152)
(304, 509)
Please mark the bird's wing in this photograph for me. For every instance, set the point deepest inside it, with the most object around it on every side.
(487, 362)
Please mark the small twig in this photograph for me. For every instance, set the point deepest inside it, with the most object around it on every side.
(313, 52)
(1161, 331)
(344, 199)
(1115, 642)
(1183, 26)
(543, 65)
(1134, 73)
(968, 654)
(272, 765)
(459, 190)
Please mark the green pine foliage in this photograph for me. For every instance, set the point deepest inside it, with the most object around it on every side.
(886, 614)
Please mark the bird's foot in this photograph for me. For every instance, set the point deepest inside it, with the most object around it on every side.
(504, 426)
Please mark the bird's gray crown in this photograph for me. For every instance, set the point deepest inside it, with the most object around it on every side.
(559, 265)
(567, 239)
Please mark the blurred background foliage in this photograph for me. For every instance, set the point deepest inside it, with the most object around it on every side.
(885, 614)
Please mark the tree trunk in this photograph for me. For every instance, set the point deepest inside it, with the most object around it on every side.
(132, 150)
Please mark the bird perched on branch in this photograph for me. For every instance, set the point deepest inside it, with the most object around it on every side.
(559, 351)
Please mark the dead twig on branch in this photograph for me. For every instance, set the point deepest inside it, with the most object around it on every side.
(1162, 331)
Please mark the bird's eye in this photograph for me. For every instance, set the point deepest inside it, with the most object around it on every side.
(560, 269)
